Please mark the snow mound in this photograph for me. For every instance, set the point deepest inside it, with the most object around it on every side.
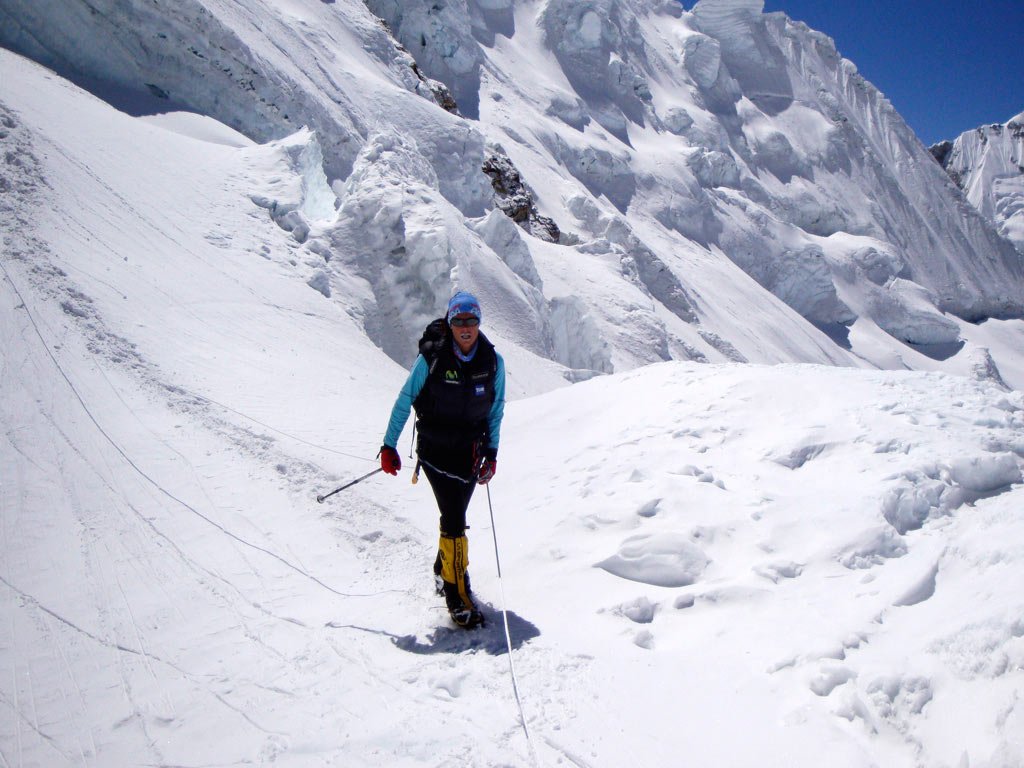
(937, 491)
(663, 560)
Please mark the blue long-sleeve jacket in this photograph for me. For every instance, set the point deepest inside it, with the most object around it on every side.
(414, 385)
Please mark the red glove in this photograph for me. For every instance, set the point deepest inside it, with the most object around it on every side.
(487, 469)
(390, 461)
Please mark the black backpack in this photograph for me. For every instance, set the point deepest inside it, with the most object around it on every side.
(435, 336)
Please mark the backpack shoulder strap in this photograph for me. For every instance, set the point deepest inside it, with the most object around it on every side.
(485, 344)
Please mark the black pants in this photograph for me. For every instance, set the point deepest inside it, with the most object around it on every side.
(453, 497)
(449, 462)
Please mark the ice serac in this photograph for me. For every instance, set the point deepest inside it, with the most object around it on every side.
(727, 19)
(601, 50)
(822, 154)
(440, 37)
(987, 164)
(757, 66)
(149, 57)
(723, 177)
(945, 246)
(265, 69)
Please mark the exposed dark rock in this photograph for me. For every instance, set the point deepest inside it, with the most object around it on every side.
(515, 200)
(545, 228)
(941, 151)
(1016, 128)
(440, 92)
(442, 96)
(943, 154)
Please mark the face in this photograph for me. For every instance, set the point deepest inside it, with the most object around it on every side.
(465, 335)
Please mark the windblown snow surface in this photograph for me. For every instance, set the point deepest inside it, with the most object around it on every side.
(704, 563)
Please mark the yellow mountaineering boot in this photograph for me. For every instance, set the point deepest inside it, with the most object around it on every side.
(453, 553)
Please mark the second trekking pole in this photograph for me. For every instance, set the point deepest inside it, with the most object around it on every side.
(320, 499)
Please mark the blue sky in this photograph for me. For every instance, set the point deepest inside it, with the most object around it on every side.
(946, 65)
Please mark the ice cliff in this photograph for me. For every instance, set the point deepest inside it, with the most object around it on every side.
(721, 182)
(987, 164)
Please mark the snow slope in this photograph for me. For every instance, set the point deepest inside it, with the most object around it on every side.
(718, 564)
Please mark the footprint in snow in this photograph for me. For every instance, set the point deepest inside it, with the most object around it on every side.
(649, 509)
(645, 640)
(449, 684)
(640, 611)
(702, 475)
(775, 571)
(829, 678)
(683, 602)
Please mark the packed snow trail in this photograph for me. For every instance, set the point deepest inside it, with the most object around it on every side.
(260, 597)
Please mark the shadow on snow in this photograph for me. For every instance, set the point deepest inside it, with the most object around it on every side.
(489, 638)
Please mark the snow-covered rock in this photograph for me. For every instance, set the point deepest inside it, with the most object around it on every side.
(987, 163)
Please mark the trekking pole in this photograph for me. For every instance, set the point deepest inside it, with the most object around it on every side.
(415, 472)
(508, 636)
(320, 499)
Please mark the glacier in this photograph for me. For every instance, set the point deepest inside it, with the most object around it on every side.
(758, 497)
(675, 147)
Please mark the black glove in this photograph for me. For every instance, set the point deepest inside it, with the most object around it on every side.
(390, 461)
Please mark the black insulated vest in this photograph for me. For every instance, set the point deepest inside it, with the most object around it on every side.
(453, 407)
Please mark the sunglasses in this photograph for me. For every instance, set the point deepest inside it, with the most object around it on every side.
(465, 322)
